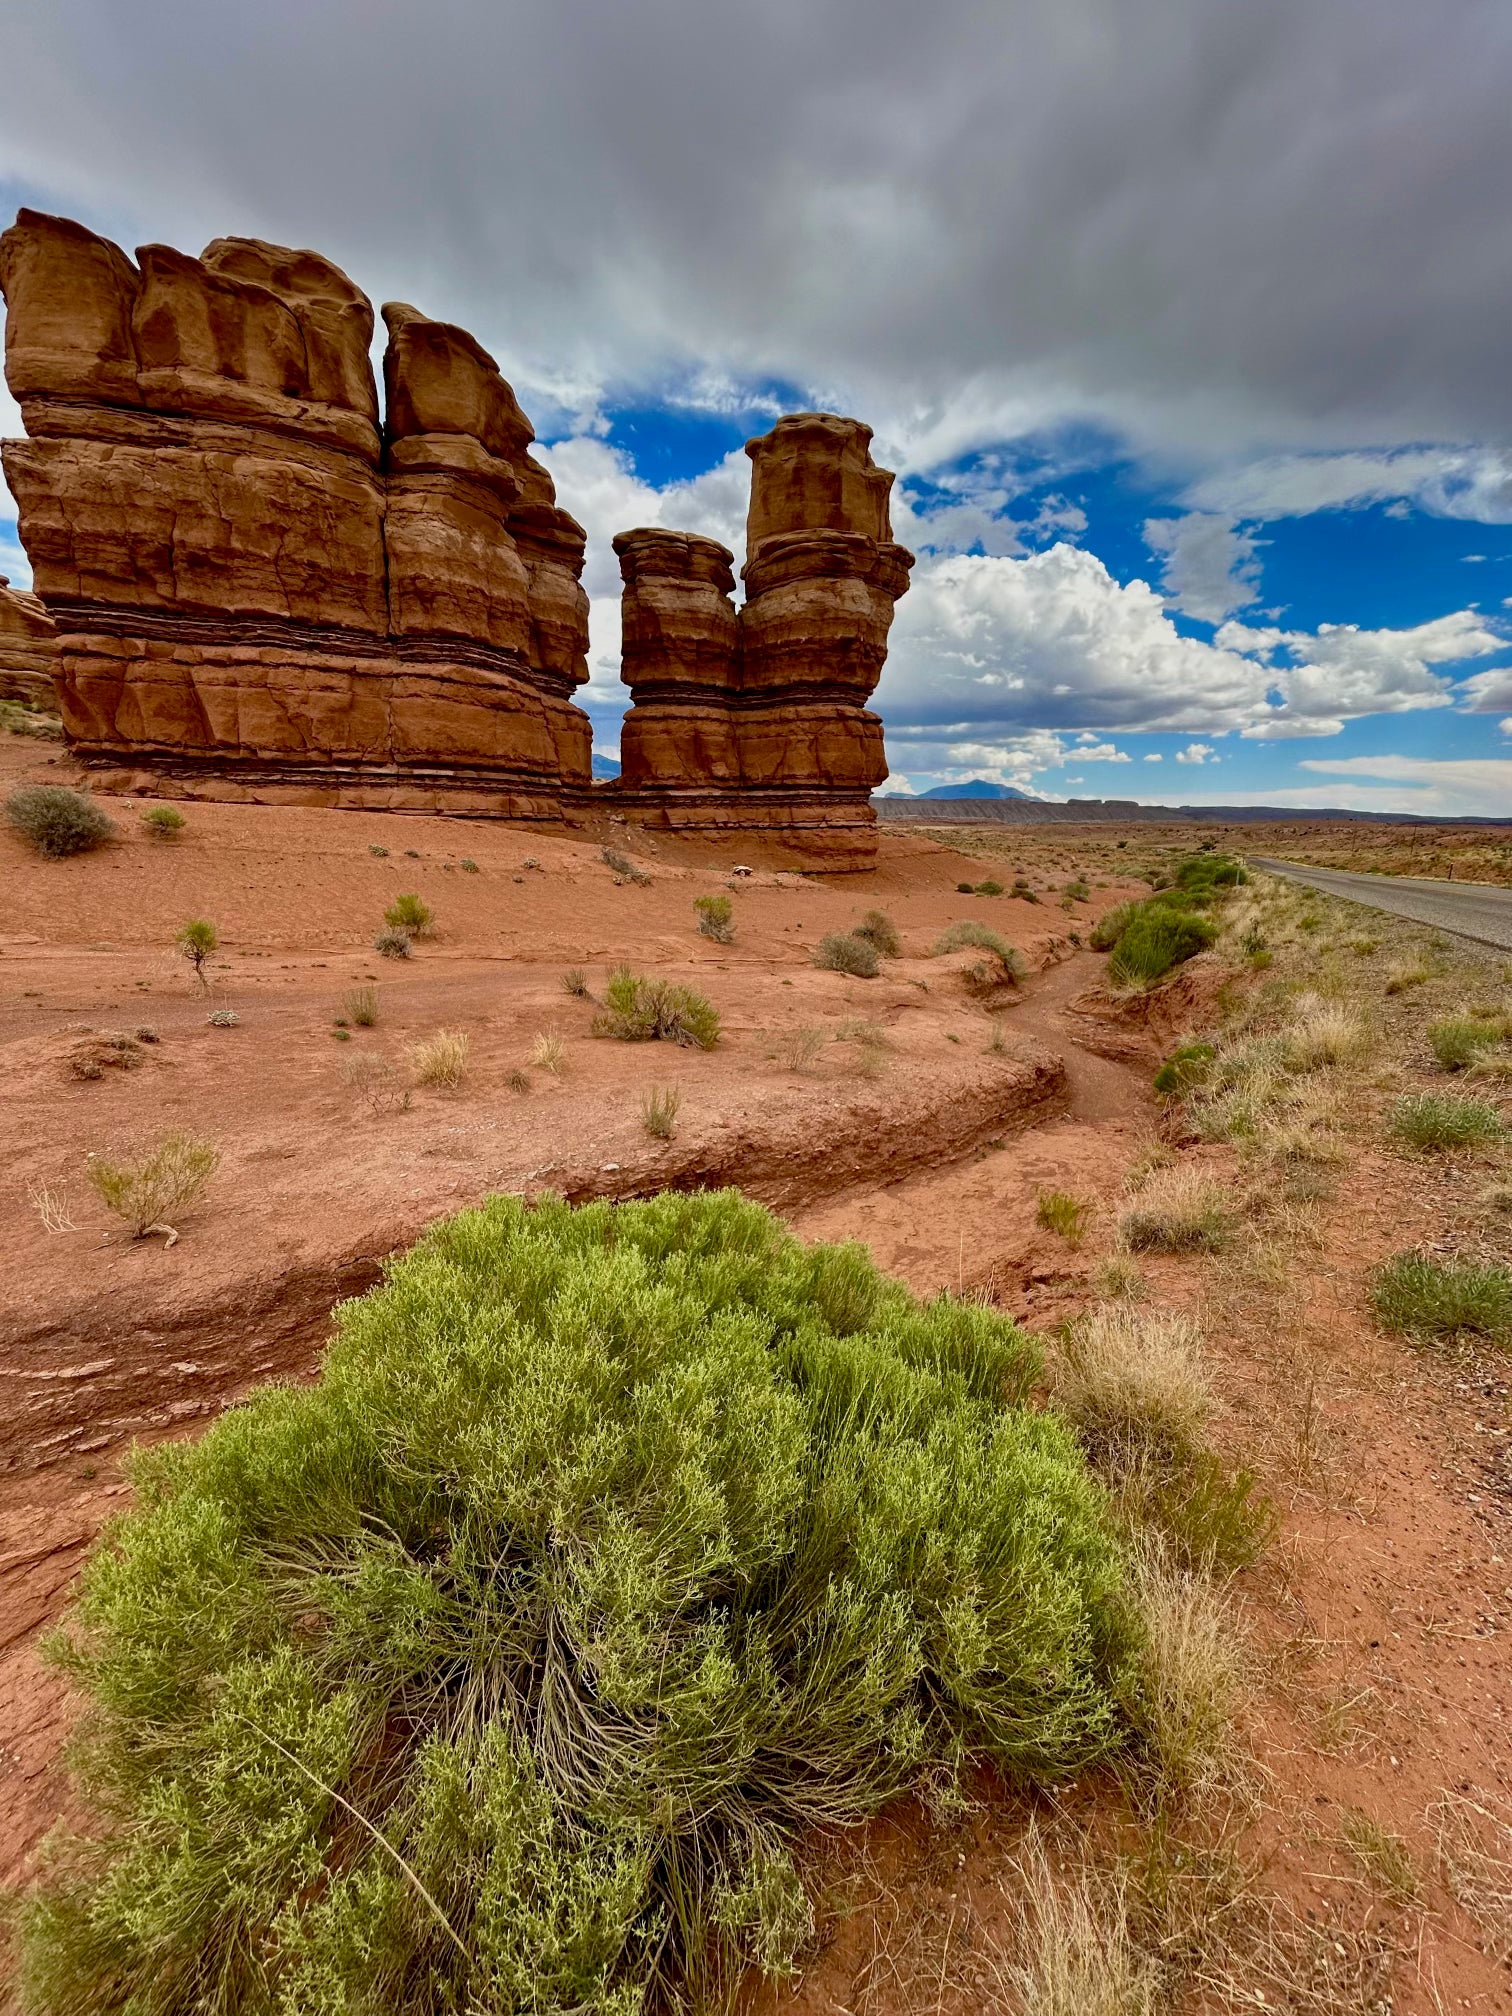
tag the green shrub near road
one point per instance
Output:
(613, 1552)
(1153, 941)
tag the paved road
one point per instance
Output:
(1476, 910)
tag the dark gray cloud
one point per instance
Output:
(1218, 223)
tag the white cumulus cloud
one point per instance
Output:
(1210, 566)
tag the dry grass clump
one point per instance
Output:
(880, 932)
(1460, 1040)
(1131, 1384)
(440, 1060)
(1384, 1857)
(1403, 974)
(392, 944)
(1192, 1673)
(575, 983)
(1058, 1211)
(1473, 1851)
(152, 1186)
(870, 1043)
(359, 1006)
(57, 822)
(1072, 1948)
(659, 1109)
(1324, 1033)
(378, 1082)
(798, 1049)
(1178, 1210)
(624, 869)
(548, 1053)
(51, 1204)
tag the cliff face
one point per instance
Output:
(757, 718)
(255, 589)
(28, 646)
(259, 587)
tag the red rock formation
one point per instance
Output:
(757, 720)
(255, 591)
(28, 647)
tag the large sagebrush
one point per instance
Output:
(614, 1550)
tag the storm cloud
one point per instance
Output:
(1212, 225)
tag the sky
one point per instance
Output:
(1184, 324)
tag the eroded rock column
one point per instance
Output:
(757, 720)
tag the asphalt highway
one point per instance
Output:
(1475, 910)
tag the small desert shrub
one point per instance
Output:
(1106, 931)
(1458, 1040)
(378, 1082)
(468, 865)
(640, 1010)
(518, 1081)
(360, 1006)
(381, 852)
(659, 1111)
(1058, 1211)
(988, 888)
(1004, 968)
(92, 1056)
(18, 717)
(409, 913)
(548, 1053)
(440, 1060)
(164, 822)
(1178, 1210)
(965, 888)
(56, 821)
(622, 865)
(393, 944)
(1428, 1120)
(197, 941)
(1183, 1069)
(1023, 892)
(880, 932)
(575, 983)
(152, 1187)
(847, 952)
(1426, 1299)
(223, 1018)
(1155, 939)
(1078, 892)
(716, 918)
(585, 1510)
(798, 1049)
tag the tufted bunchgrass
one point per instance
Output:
(614, 1551)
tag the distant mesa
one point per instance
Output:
(604, 767)
(263, 587)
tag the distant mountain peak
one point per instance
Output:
(977, 788)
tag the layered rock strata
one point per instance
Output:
(756, 719)
(28, 648)
(258, 590)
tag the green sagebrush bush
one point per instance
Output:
(1155, 939)
(642, 1010)
(848, 952)
(57, 822)
(501, 1669)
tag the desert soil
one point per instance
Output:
(1377, 1618)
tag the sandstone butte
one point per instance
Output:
(263, 588)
